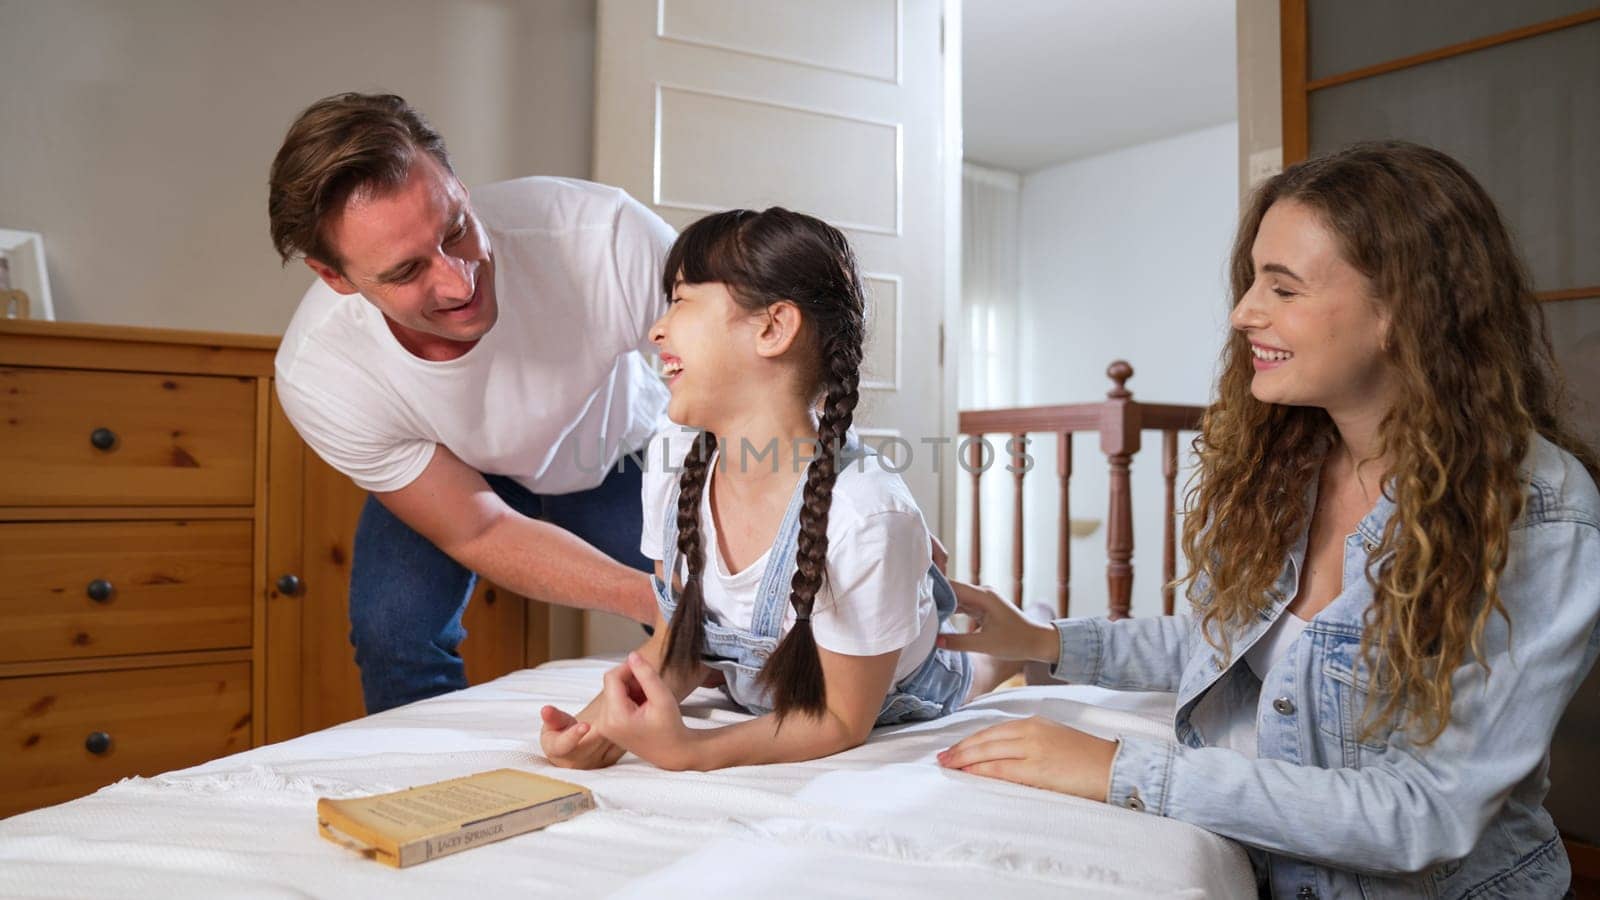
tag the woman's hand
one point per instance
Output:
(1038, 753)
(640, 713)
(1002, 630)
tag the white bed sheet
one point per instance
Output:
(882, 820)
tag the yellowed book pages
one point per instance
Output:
(421, 823)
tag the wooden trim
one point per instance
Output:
(536, 634)
(1019, 444)
(1585, 858)
(975, 469)
(330, 507)
(160, 359)
(1064, 417)
(1120, 421)
(111, 663)
(1296, 88)
(258, 568)
(1417, 59)
(1063, 525)
(132, 334)
(1075, 417)
(496, 622)
(1583, 293)
(1169, 523)
(282, 643)
(121, 349)
(116, 513)
(1170, 416)
(1295, 66)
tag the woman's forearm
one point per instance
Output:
(1144, 654)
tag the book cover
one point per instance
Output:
(415, 825)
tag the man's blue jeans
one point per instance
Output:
(407, 596)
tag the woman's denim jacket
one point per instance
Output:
(1328, 815)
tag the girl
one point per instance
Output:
(789, 562)
(1395, 561)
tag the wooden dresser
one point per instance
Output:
(173, 562)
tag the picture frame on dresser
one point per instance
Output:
(22, 256)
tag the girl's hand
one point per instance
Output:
(1002, 630)
(641, 714)
(572, 744)
(941, 556)
(1038, 753)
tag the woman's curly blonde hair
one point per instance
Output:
(1476, 379)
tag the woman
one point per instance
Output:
(1394, 552)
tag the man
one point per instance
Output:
(474, 363)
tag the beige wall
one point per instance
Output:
(1260, 92)
(136, 136)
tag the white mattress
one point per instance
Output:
(882, 820)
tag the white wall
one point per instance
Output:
(1123, 257)
(136, 136)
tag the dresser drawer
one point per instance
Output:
(81, 589)
(67, 735)
(122, 438)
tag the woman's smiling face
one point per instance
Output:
(1316, 332)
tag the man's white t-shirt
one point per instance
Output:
(554, 393)
(876, 596)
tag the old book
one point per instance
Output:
(421, 823)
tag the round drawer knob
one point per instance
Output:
(100, 590)
(97, 742)
(103, 438)
(290, 585)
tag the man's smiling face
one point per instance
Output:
(419, 255)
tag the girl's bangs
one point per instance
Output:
(708, 251)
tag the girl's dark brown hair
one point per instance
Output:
(763, 258)
(1477, 381)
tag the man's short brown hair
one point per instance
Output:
(341, 145)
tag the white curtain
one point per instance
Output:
(990, 308)
(990, 267)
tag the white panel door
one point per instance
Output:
(834, 108)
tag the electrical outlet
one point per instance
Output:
(1264, 164)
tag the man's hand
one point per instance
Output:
(1038, 753)
(1002, 631)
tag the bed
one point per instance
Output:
(880, 820)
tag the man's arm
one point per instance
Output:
(451, 505)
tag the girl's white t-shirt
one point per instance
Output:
(876, 595)
(551, 396)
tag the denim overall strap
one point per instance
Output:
(791, 519)
(773, 595)
(944, 595)
(669, 545)
(772, 598)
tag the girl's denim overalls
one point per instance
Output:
(934, 689)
